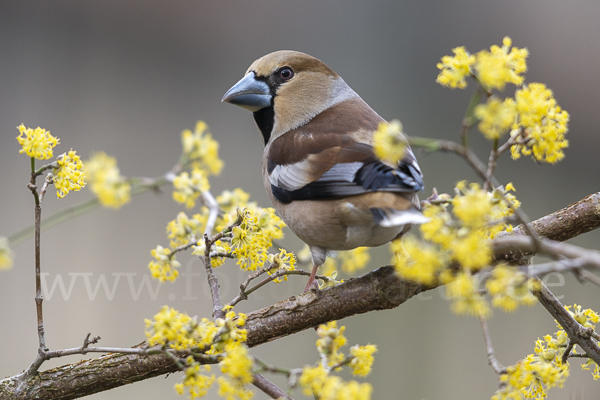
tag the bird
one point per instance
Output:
(319, 167)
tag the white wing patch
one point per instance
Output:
(296, 176)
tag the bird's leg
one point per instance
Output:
(312, 282)
(318, 256)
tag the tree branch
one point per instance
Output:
(377, 290)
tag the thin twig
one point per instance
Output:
(567, 351)
(213, 211)
(498, 368)
(269, 388)
(491, 163)
(265, 367)
(575, 265)
(279, 273)
(213, 282)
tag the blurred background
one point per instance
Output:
(127, 77)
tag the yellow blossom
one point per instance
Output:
(68, 175)
(329, 267)
(231, 390)
(534, 101)
(331, 340)
(472, 250)
(463, 291)
(237, 363)
(196, 383)
(363, 359)
(6, 254)
(230, 199)
(313, 379)
(455, 69)
(281, 261)
(595, 371)
(167, 326)
(106, 182)
(36, 143)
(229, 331)
(495, 117)
(586, 317)
(534, 375)
(501, 65)
(438, 229)
(543, 125)
(474, 207)
(510, 288)
(217, 252)
(254, 236)
(181, 229)
(388, 142)
(187, 187)
(200, 148)
(355, 391)
(416, 261)
(164, 266)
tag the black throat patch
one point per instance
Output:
(265, 118)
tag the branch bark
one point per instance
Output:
(377, 290)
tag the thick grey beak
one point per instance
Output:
(249, 93)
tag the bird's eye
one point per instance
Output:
(286, 73)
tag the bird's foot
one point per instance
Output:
(312, 286)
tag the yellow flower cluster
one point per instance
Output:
(462, 289)
(6, 254)
(538, 125)
(501, 65)
(164, 266)
(237, 367)
(495, 117)
(36, 143)
(493, 69)
(388, 142)
(538, 372)
(223, 337)
(182, 228)
(510, 288)
(586, 317)
(229, 200)
(196, 383)
(455, 69)
(254, 236)
(187, 188)
(282, 260)
(68, 175)
(543, 125)
(363, 359)
(318, 382)
(112, 189)
(456, 235)
(201, 149)
(331, 338)
(179, 331)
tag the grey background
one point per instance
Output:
(128, 77)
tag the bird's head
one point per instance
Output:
(285, 90)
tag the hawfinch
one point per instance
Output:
(319, 167)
